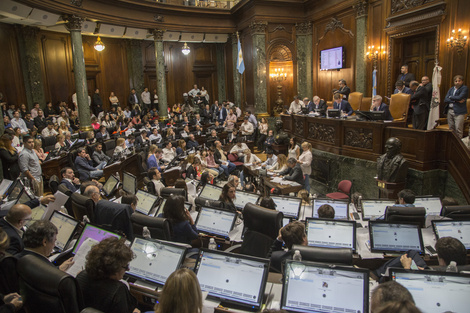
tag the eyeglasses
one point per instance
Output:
(127, 268)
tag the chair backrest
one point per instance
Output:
(262, 220)
(167, 192)
(355, 100)
(68, 205)
(150, 185)
(399, 104)
(82, 135)
(325, 255)
(49, 143)
(81, 206)
(8, 274)
(142, 163)
(345, 186)
(108, 147)
(115, 217)
(54, 183)
(406, 214)
(159, 227)
(366, 103)
(45, 288)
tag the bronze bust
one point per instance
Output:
(281, 138)
(392, 166)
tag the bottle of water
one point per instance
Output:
(146, 233)
(297, 256)
(212, 244)
(452, 267)
(63, 209)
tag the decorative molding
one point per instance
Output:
(361, 7)
(77, 3)
(280, 53)
(400, 5)
(421, 17)
(304, 28)
(73, 22)
(299, 127)
(280, 28)
(234, 38)
(157, 34)
(333, 25)
(158, 18)
(321, 132)
(358, 137)
(258, 27)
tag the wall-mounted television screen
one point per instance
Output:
(332, 59)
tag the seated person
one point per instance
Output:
(39, 240)
(69, 180)
(271, 159)
(212, 138)
(99, 156)
(182, 224)
(268, 203)
(156, 177)
(192, 143)
(217, 127)
(401, 88)
(185, 133)
(317, 106)
(103, 134)
(13, 223)
(169, 152)
(142, 140)
(239, 149)
(191, 170)
(251, 161)
(211, 164)
(246, 128)
(293, 172)
(49, 130)
(155, 137)
(227, 196)
(221, 158)
(378, 105)
(181, 147)
(85, 167)
(389, 292)
(198, 131)
(326, 211)
(281, 164)
(233, 136)
(206, 178)
(60, 145)
(291, 234)
(342, 105)
(406, 198)
(100, 282)
(268, 143)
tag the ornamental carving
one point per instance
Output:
(73, 22)
(77, 3)
(299, 127)
(304, 28)
(157, 34)
(400, 5)
(258, 27)
(321, 132)
(333, 25)
(358, 138)
(158, 18)
(361, 8)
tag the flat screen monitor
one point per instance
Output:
(24, 196)
(433, 205)
(289, 206)
(5, 186)
(314, 287)
(145, 202)
(331, 59)
(210, 192)
(15, 190)
(340, 206)
(215, 221)
(286, 220)
(110, 185)
(93, 232)
(66, 226)
(392, 237)
(334, 113)
(371, 115)
(233, 278)
(435, 292)
(457, 229)
(129, 183)
(373, 209)
(39, 213)
(331, 233)
(242, 198)
(155, 260)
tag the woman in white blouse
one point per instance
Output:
(280, 165)
(305, 161)
(294, 150)
(263, 131)
(169, 152)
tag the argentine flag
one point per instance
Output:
(374, 82)
(240, 63)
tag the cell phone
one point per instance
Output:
(356, 216)
(431, 249)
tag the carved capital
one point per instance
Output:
(361, 8)
(73, 22)
(157, 34)
(400, 5)
(234, 38)
(158, 18)
(77, 3)
(304, 28)
(258, 27)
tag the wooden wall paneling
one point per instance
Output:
(148, 61)
(11, 80)
(228, 72)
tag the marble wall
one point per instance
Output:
(134, 65)
(304, 66)
(259, 72)
(221, 71)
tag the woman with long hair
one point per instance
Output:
(294, 150)
(39, 150)
(263, 133)
(182, 224)
(9, 157)
(227, 196)
(280, 165)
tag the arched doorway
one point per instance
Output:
(281, 78)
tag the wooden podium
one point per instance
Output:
(389, 190)
(279, 149)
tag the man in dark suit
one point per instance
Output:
(207, 114)
(293, 172)
(456, 105)
(401, 88)
(344, 90)
(85, 168)
(378, 105)
(103, 134)
(291, 234)
(421, 108)
(318, 105)
(405, 77)
(342, 105)
(221, 113)
(69, 179)
(97, 102)
(133, 99)
(13, 223)
(192, 143)
(142, 140)
(40, 121)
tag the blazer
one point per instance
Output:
(84, 166)
(384, 107)
(72, 187)
(345, 91)
(278, 255)
(192, 144)
(294, 174)
(322, 107)
(405, 90)
(115, 214)
(460, 94)
(423, 96)
(16, 242)
(407, 78)
(224, 114)
(344, 106)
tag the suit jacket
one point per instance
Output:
(117, 215)
(384, 107)
(294, 174)
(322, 107)
(405, 90)
(460, 94)
(131, 100)
(16, 242)
(192, 144)
(407, 78)
(206, 115)
(344, 106)
(84, 166)
(72, 187)
(100, 136)
(40, 123)
(345, 91)
(423, 96)
(224, 114)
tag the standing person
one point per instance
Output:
(421, 108)
(133, 99)
(404, 76)
(30, 166)
(344, 90)
(97, 102)
(293, 149)
(305, 161)
(9, 158)
(155, 100)
(456, 105)
(146, 102)
(263, 133)
(113, 99)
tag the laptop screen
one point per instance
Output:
(232, 277)
(145, 202)
(436, 292)
(242, 198)
(372, 209)
(286, 220)
(341, 207)
(288, 206)
(66, 226)
(210, 192)
(93, 232)
(15, 190)
(390, 237)
(457, 229)
(155, 260)
(110, 185)
(433, 205)
(129, 183)
(311, 287)
(215, 221)
(331, 233)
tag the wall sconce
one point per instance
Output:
(99, 45)
(279, 75)
(185, 49)
(457, 41)
(374, 53)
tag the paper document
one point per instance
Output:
(4, 186)
(276, 180)
(60, 199)
(80, 257)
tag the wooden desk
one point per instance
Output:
(129, 165)
(285, 189)
(53, 167)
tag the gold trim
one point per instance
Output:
(260, 115)
(86, 128)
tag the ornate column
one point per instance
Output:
(258, 31)
(31, 65)
(220, 72)
(304, 36)
(135, 65)
(74, 26)
(160, 68)
(237, 99)
(361, 45)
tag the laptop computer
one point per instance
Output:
(146, 202)
(94, 232)
(210, 192)
(242, 198)
(289, 206)
(215, 222)
(388, 237)
(341, 207)
(433, 205)
(66, 226)
(331, 233)
(456, 229)
(375, 208)
(110, 186)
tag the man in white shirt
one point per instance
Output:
(155, 136)
(155, 175)
(295, 106)
(271, 159)
(239, 149)
(35, 110)
(146, 102)
(49, 130)
(169, 153)
(246, 128)
(193, 92)
(238, 111)
(17, 121)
